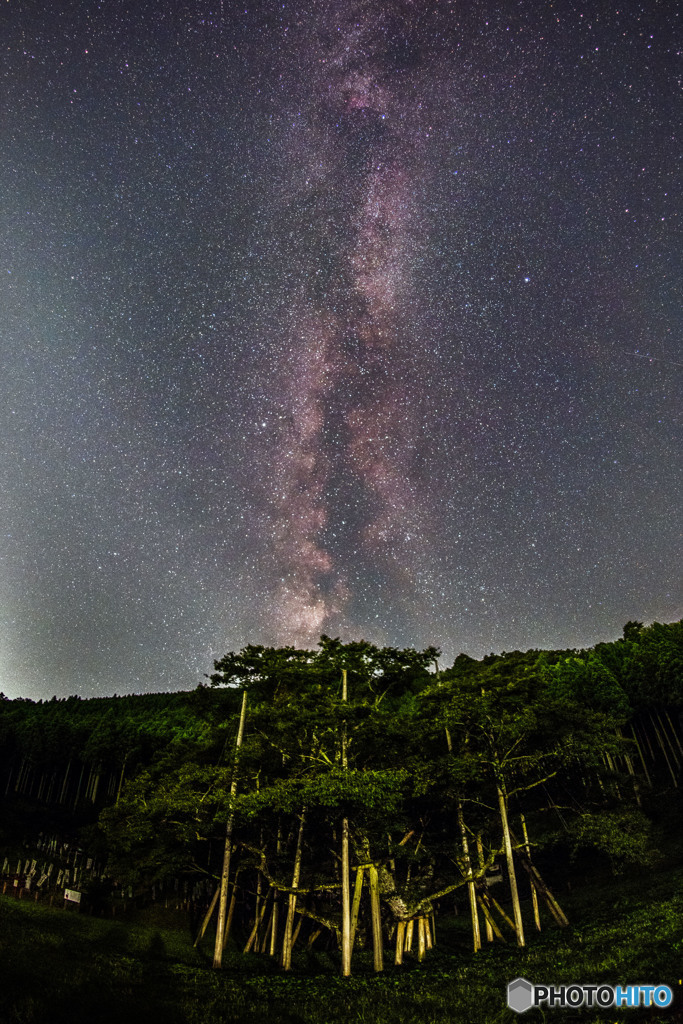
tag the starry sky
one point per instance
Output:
(347, 316)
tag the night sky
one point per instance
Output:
(357, 318)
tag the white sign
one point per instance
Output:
(72, 895)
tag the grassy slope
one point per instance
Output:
(62, 967)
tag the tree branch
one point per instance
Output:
(281, 886)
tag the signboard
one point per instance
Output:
(72, 896)
(495, 876)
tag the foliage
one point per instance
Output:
(623, 833)
(581, 743)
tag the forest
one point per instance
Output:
(353, 800)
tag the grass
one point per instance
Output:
(59, 967)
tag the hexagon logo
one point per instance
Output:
(520, 995)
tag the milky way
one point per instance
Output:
(349, 383)
(356, 318)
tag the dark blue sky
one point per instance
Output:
(356, 318)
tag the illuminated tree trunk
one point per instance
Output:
(480, 855)
(259, 914)
(88, 784)
(9, 779)
(376, 919)
(17, 781)
(78, 788)
(516, 908)
(428, 934)
(421, 938)
(491, 901)
(476, 934)
(666, 735)
(355, 909)
(231, 908)
(62, 795)
(346, 901)
(674, 733)
(400, 941)
(225, 873)
(274, 924)
(287, 941)
(640, 754)
(662, 747)
(207, 916)
(485, 902)
(552, 904)
(121, 776)
(265, 941)
(345, 875)
(631, 771)
(534, 893)
(648, 741)
(276, 901)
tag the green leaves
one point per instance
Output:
(623, 833)
(354, 790)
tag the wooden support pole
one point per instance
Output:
(274, 924)
(355, 909)
(222, 927)
(266, 935)
(376, 919)
(488, 916)
(476, 934)
(207, 916)
(534, 892)
(295, 936)
(480, 855)
(492, 902)
(258, 919)
(347, 939)
(421, 938)
(400, 941)
(516, 906)
(231, 908)
(287, 941)
(346, 929)
(552, 904)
